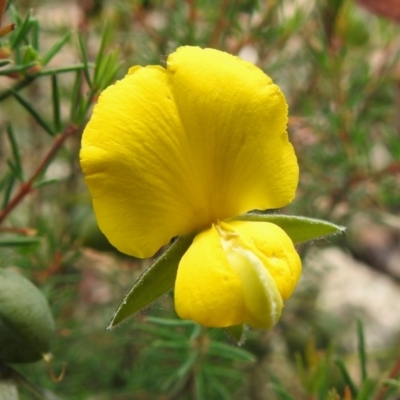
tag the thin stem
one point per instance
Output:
(28, 186)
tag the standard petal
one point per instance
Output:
(235, 118)
(274, 247)
(207, 289)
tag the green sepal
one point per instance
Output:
(237, 333)
(157, 280)
(299, 229)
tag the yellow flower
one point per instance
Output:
(177, 150)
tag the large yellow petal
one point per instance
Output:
(171, 151)
(207, 289)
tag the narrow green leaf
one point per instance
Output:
(15, 14)
(281, 392)
(197, 331)
(75, 97)
(236, 332)
(299, 229)
(85, 59)
(361, 350)
(178, 378)
(5, 62)
(15, 151)
(19, 34)
(367, 387)
(279, 389)
(55, 49)
(56, 103)
(200, 385)
(212, 381)
(4, 180)
(82, 109)
(30, 55)
(16, 241)
(18, 55)
(9, 185)
(301, 369)
(61, 70)
(223, 371)
(187, 365)
(34, 113)
(170, 322)
(157, 280)
(167, 344)
(99, 59)
(165, 333)
(15, 170)
(346, 376)
(18, 68)
(102, 70)
(108, 70)
(230, 352)
(47, 182)
(35, 34)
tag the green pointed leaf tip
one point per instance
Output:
(299, 229)
(26, 323)
(237, 333)
(157, 280)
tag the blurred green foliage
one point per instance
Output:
(339, 69)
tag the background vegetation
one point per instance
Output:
(338, 65)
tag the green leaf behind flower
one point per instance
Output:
(299, 229)
(157, 280)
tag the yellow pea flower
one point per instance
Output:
(170, 151)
